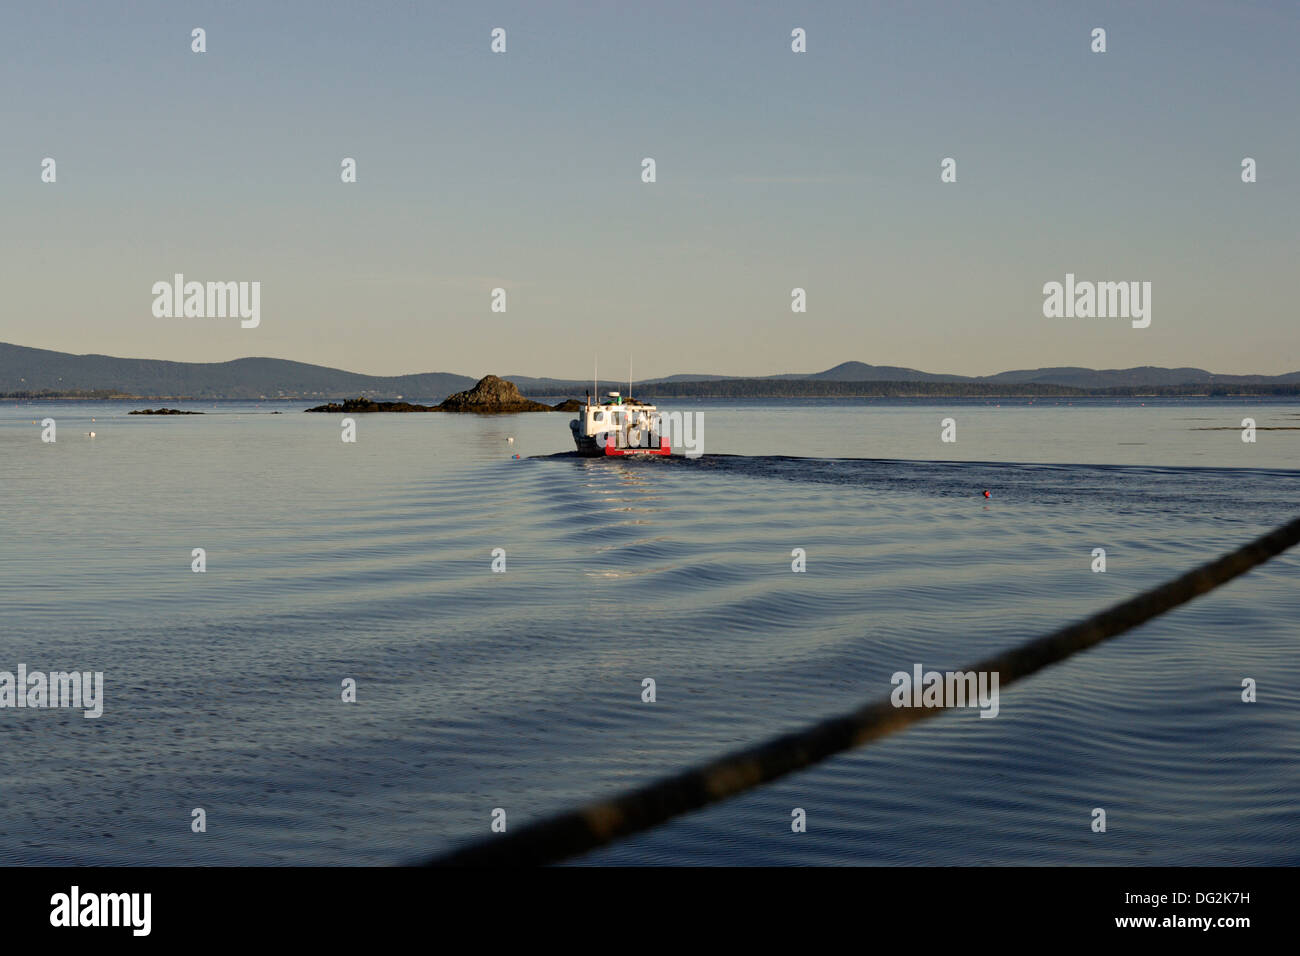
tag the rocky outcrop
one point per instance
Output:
(492, 396)
(359, 405)
(162, 411)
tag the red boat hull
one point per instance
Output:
(663, 449)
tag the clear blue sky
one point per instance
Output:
(775, 170)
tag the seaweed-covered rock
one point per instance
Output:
(361, 405)
(162, 411)
(491, 396)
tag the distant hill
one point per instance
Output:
(1137, 377)
(860, 372)
(35, 371)
(40, 370)
(1073, 376)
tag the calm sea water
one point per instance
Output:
(522, 690)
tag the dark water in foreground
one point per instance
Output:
(522, 690)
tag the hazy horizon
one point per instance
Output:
(775, 170)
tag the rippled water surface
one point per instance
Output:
(522, 689)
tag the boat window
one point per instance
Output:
(598, 417)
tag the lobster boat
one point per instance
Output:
(618, 426)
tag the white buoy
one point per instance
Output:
(511, 439)
(90, 434)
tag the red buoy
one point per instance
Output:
(986, 494)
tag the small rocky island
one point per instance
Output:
(490, 396)
(162, 411)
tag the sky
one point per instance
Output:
(774, 170)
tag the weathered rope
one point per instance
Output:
(577, 831)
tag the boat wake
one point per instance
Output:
(1221, 492)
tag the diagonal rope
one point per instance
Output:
(599, 823)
